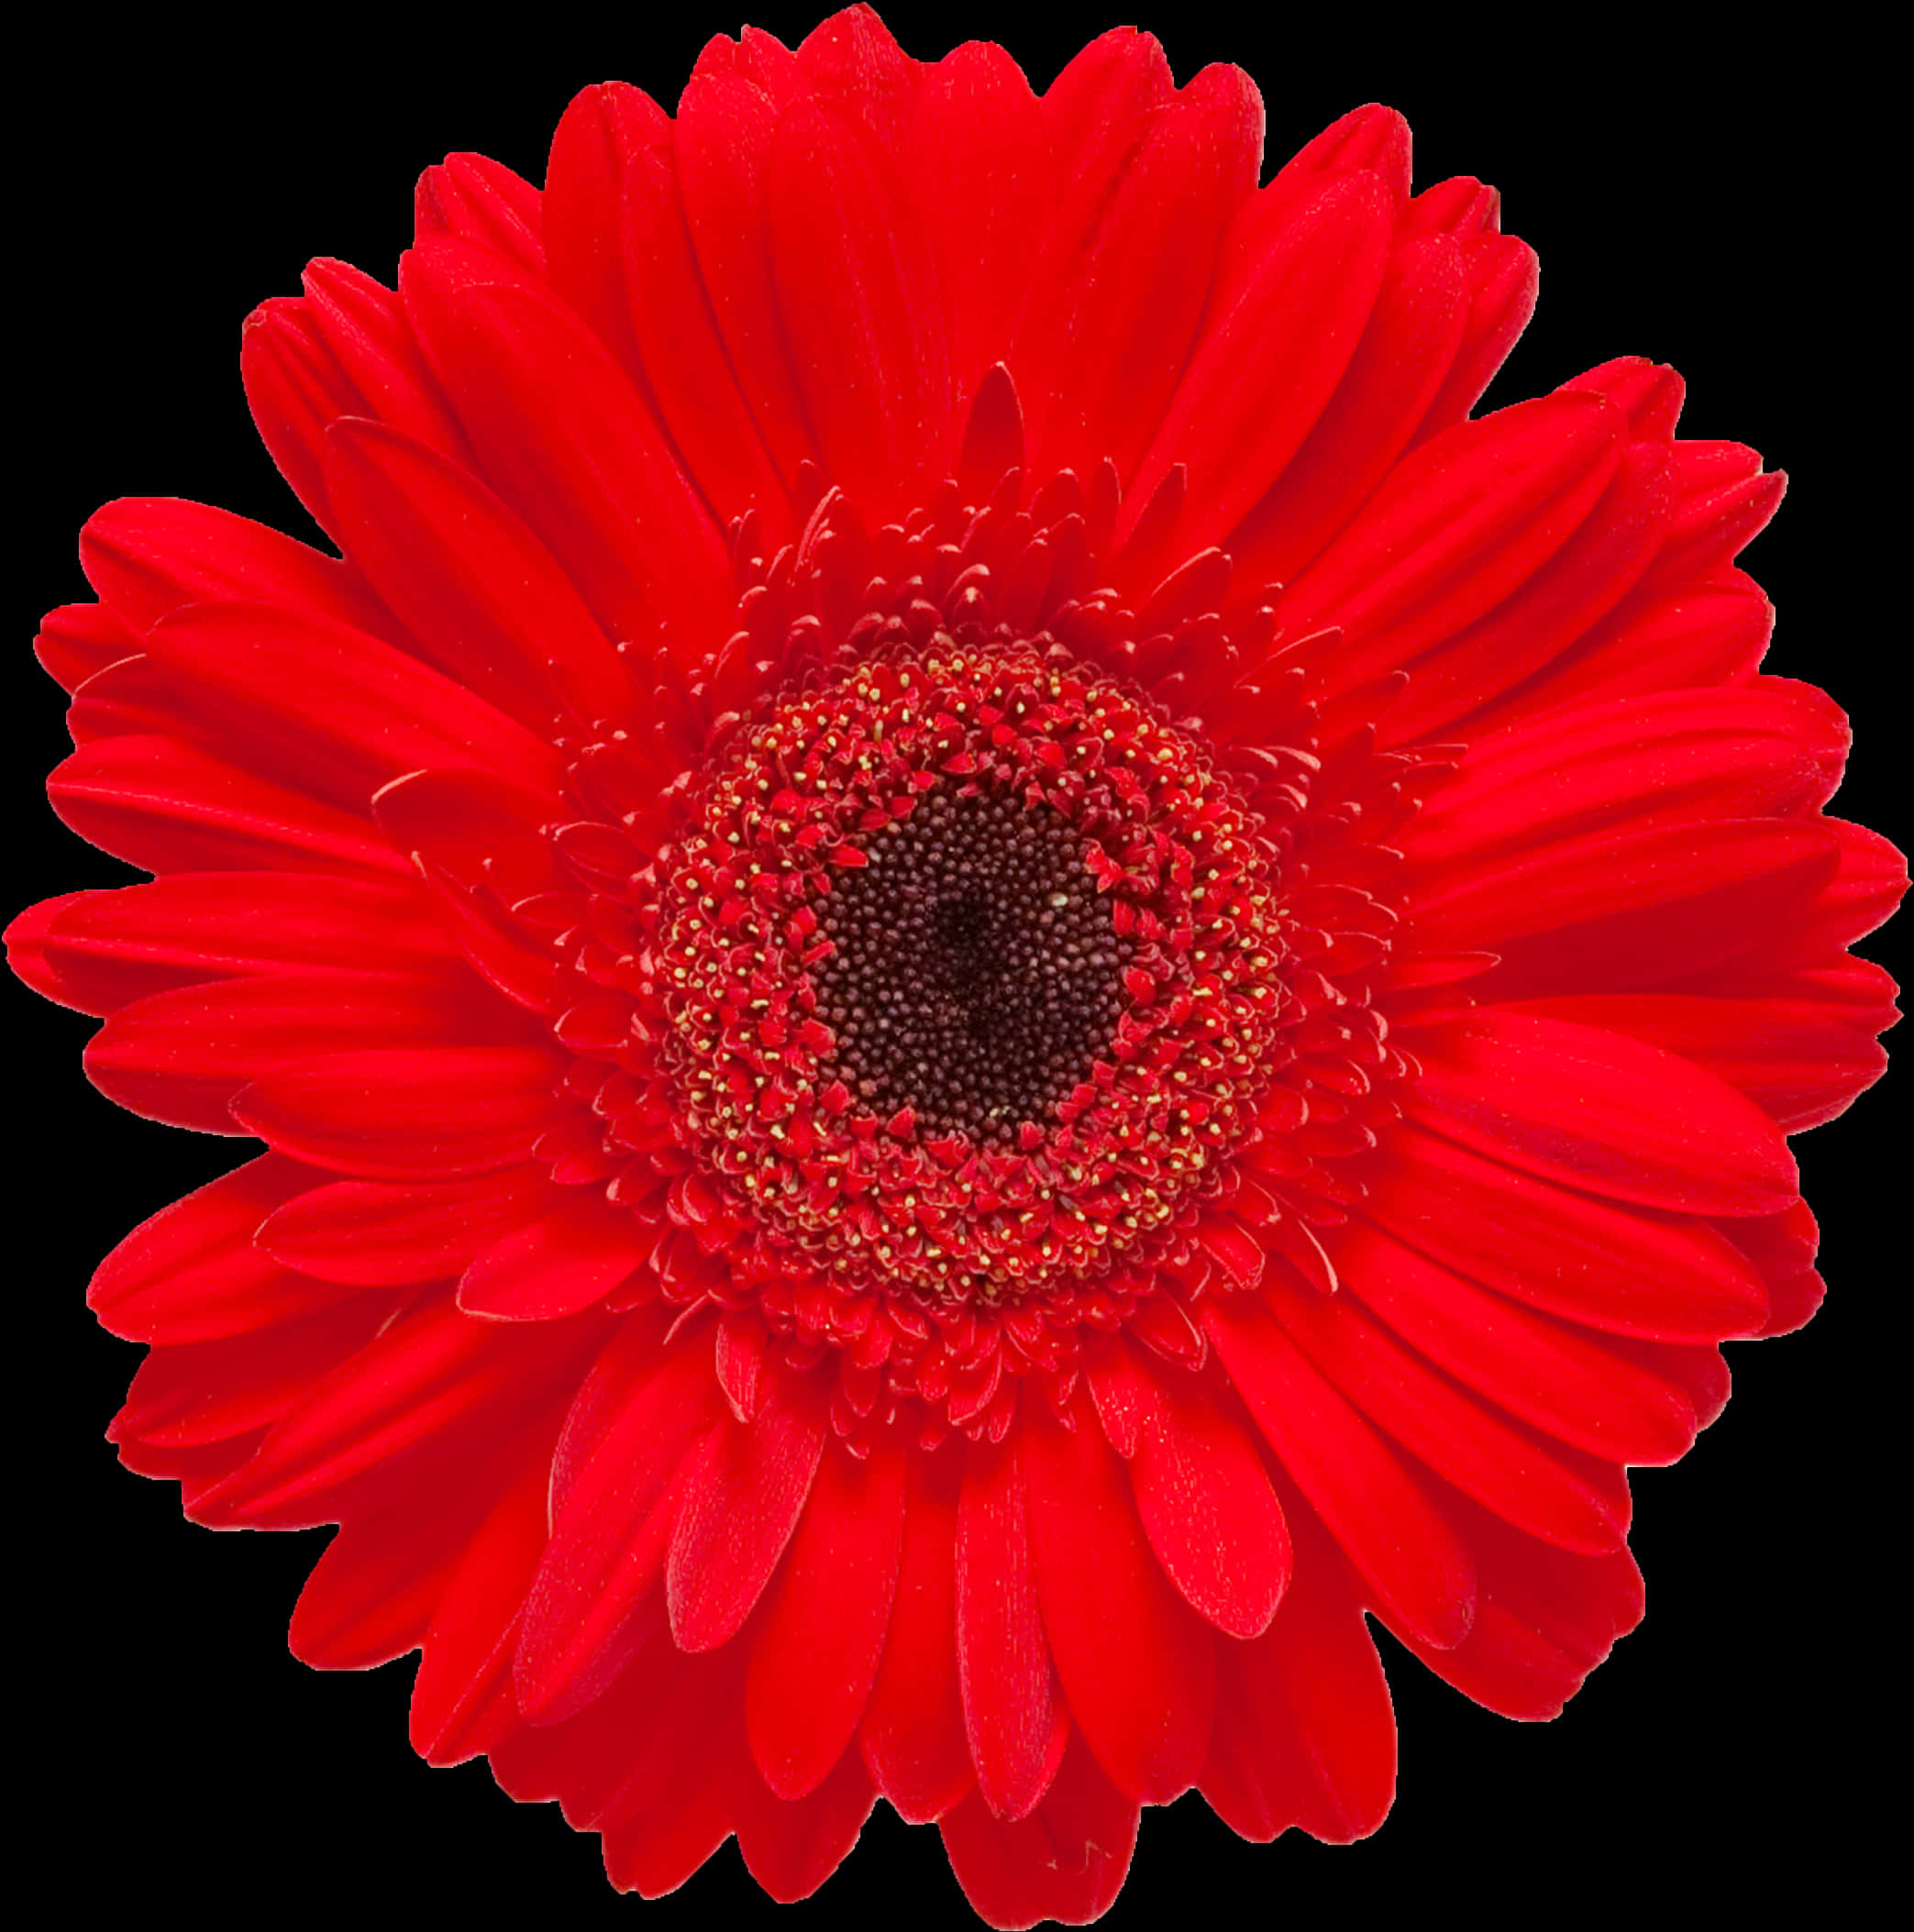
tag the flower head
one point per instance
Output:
(987, 977)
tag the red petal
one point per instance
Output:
(682, 353)
(655, 1728)
(364, 328)
(1782, 1248)
(1702, 634)
(1546, 1619)
(720, 143)
(1137, 1667)
(78, 640)
(615, 227)
(435, 1383)
(755, 56)
(1389, 1529)
(294, 387)
(1718, 516)
(1304, 1732)
(1664, 1276)
(1003, 1661)
(499, 949)
(913, 1735)
(474, 827)
(1559, 1379)
(1502, 275)
(791, 1848)
(984, 191)
(1600, 1111)
(331, 708)
(1580, 584)
(1801, 1061)
(1066, 1862)
(1453, 530)
(372, 1235)
(206, 1391)
(1208, 1509)
(405, 1114)
(816, 1655)
(1701, 1374)
(168, 807)
(1870, 881)
(1771, 748)
(371, 1596)
(584, 189)
(558, 1264)
(191, 1272)
(127, 700)
(632, 1357)
(150, 555)
(608, 1541)
(743, 1496)
(852, 59)
(196, 1469)
(1120, 75)
(1372, 139)
(461, 1698)
(1620, 911)
(182, 1056)
(860, 311)
(1100, 347)
(1406, 346)
(478, 200)
(1240, 1254)
(114, 947)
(656, 1851)
(742, 1351)
(485, 601)
(564, 439)
(1650, 393)
(1124, 1395)
(1550, 1495)
(1269, 358)
(26, 941)
(346, 350)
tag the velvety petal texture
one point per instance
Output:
(989, 978)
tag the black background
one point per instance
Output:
(1705, 205)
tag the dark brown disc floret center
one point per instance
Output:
(975, 974)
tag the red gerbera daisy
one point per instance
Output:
(985, 977)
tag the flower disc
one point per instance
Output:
(938, 1009)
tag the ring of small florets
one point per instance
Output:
(971, 965)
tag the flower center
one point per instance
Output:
(971, 971)
(975, 969)
(939, 995)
